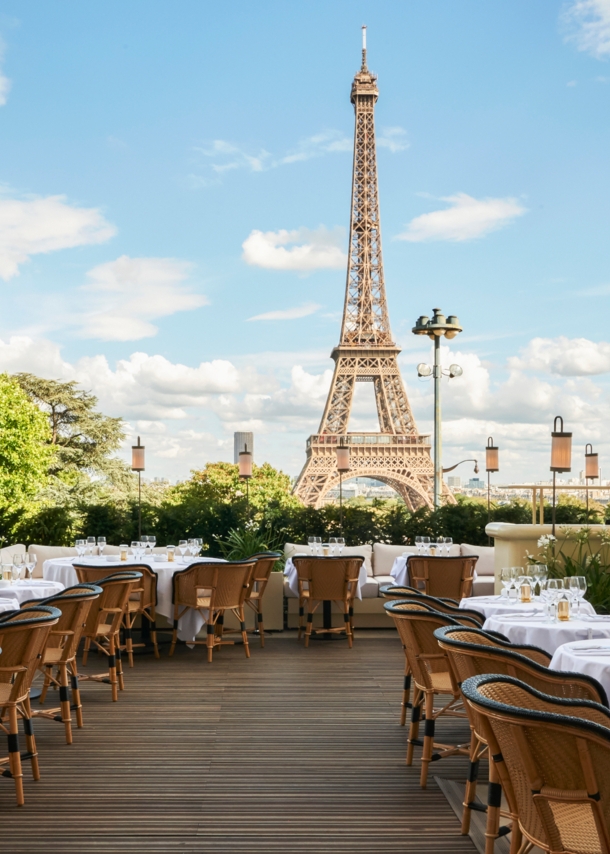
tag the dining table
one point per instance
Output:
(23, 590)
(535, 629)
(62, 570)
(590, 656)
(490, 606)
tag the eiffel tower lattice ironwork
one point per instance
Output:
(397, 455)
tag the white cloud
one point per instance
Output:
(565, 357)
(465, 219)
(327, 142)
(231, 157)
(394, 139)
(130, 292)
(34, 226)
(589, 26)
(5, 83)
(301, 249)
(288, 313)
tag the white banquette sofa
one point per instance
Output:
(378, 560)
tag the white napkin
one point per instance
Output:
(587, 652)
(527, 616)
(593, 618)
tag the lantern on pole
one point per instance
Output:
(138, 464)
(343, 463)
(492, 463)
(245, 471)
(561, 455)
(591, 469)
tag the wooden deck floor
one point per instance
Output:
(292, 751)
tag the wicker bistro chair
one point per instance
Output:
(397, 591)
(442, 576)
(104, 625)
(212, 589)
(142, 601)
(462, 616)
(473, 652)
(332, 579)
(432, 677)
(23, 636)
(263, 567)
(552, 755)
(60, 653)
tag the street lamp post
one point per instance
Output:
(591, 469)
(245, 472)
(492, 463)
(342, 467)
(138, 464)
(436, 329)
(561, 455)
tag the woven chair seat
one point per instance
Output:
(441, 682)
(103, 629)
(203, 601)
(52, 655)
(5, 692)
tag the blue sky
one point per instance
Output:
(143, 144)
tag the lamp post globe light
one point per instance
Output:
(138, 464)
(436, 328)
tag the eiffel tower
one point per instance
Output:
(397, 455)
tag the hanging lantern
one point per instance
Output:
(245, 463)
(561, 448)
(342, 452)
(591, 463)
(492, 456)
(137, 457)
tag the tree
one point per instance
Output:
(25, 449)
(84, 438)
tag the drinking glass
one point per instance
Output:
(90, 545)
(182, 548)
(332, 545)
(553, 589)
(7, 572)
(318, 545)
(30, 565)
(448, 544)
(525, 581)
(340, 544)
(311, 542)
(191, 545)
(506, 577)
(517, 581)
(418, 544)
(198, 545)
(101, 542)
(135, 548)
(425, 541)
(79, 545)
(144, 543)
(18, 562)
(578, 588)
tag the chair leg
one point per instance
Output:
(309, 627)
(119, 666)
(494, 801)
(414, 728)
(64, 701)
(86, 650)
(129, 639)
(112, 670)
(406, 694)
(348, 627)
(30, 741)
(153, 631)
(14, 755)
(175, 631)
(301, 615)
(470, 792)
(210, 641)
(428, 739)
(261, 628)
(244, 633)
(47, 681)
(76, 701)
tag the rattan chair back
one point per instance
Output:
(334, 578)
(442, 576)
(106, 612)
(23, 637)
(223, 585)
(553, 759)
(475, 652)
(457, 616)
(74, 604)
(263, 567)
(396, 591)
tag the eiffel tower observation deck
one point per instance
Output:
(398, 454)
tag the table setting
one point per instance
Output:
(591, 657)
(164, 564)
(18, 586)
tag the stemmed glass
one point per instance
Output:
(18, 562)
(340, 545)
(332, 545)
(425, 541)
(553, 590)
(90, 545)
(182, 548)
(311, 542)
(506, 577)
(135, 549)
(30, 564)
(80, 547)
(318, 545)
(101, 542)
(198, 546)
(418, 544)
(448, 544)
(578, 588)
(151, 542)
(144, 543)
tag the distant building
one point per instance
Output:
(476, 483)
(242, 442)
(454, 482)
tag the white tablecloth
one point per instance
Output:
(38, 588)
(290, 572)
(188, 626)
(7, 604)
(549, 636)
(590, 657)
(492, 605)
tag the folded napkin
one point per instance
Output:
(527, 615)
(591, 652)
(594, 618)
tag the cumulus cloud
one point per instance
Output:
(465, 219)
(394, 139)
(34, 226)
(127, 294)
(288, 313)
(301, 249)
(588, 24)
(564, 357)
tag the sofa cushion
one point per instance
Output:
(6, 554)
(383, 580)
(370, 589)
(484, 586)
(365, 551)
(485, 563)
(47, 552)
(384, 557)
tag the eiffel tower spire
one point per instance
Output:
(398, 454)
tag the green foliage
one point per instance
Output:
(25, 455)
(242, 543)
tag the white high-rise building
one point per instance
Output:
(242, 442)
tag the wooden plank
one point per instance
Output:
(292, 750)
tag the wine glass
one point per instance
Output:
(30, 565)
(425, 541)
(101, 542)
(18, 562)
(332, 545)
(553, 588)
(418, 544)
(182, 547)
(144, 543)
(135, 548)
(578, 588)
(311, 542)
(506, 577)
(318, 545)
(152, 540)
(198, 546)
(79, 545)
(340, 545)
(448, 544)
(90, 545)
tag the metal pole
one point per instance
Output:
(554, 476)
(438, 466)
(341, 501)
(587, 490)
(139, 505)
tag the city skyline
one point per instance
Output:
(175, 239)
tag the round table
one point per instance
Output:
(537, 631)
(62, 569)
(7, 604)
(591, 657)
(489, 606)
(37, 588)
